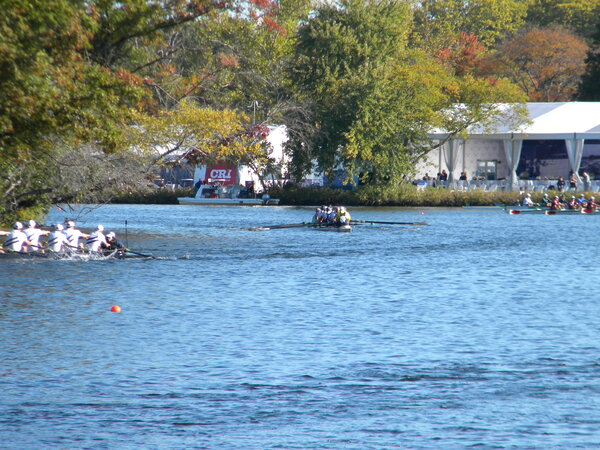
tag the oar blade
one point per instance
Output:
(279, 227)
(381, 222)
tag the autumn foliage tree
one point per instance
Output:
(71, 74)
(546, 63)
(464, 54)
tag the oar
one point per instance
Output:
(126, 250)
(278, 227)
(387, 223)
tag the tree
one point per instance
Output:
(207, 134)
(580, 16)
(546, 63)
(464, 55)
(51, 99)
(437, 22)
(589, 89)
(68, 85)
(370, 102)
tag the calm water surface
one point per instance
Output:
(480, 329)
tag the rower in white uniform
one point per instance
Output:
(527, 200)
(73, 235)
(33, 235)
(16, 240)
(57, 240)
(96, 240)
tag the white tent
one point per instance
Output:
(573, 122)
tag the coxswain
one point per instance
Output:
(33, 235)
(16, 240)
(555, 205)
(112, 243)
(527, 201)
(57, 240)
(96, 240)
(343, 217)
(73, 235)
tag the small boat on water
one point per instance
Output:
(72, 256)
(225, 195)
(346, 228)
(550, 212)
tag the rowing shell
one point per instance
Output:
(550, 212)
(331, 227)
(75, 256)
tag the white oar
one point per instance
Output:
(278, 227)
(387, 223)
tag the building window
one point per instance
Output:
(487, 169)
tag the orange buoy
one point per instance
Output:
(115, 309)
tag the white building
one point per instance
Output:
(560, 138)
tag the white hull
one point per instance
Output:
(227, 201)
(339, 229)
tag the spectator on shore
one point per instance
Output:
(586, 180)
(572, 181)
(197, 186)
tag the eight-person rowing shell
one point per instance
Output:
(333, 216)
(60, 240)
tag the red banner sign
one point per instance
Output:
(221, 173)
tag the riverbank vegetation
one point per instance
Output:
(96, 95)
(401, 195)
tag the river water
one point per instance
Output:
(479, 329)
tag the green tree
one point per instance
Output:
(589, 89)
(370, 102)
(438, 22)
(70, 77)
(580, 16)
(51, 99)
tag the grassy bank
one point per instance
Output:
(401, 195)
(153, 196)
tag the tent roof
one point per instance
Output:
(568, 120)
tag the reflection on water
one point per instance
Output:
(478, 329)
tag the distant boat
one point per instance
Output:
(550, 212)
(209, 194)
